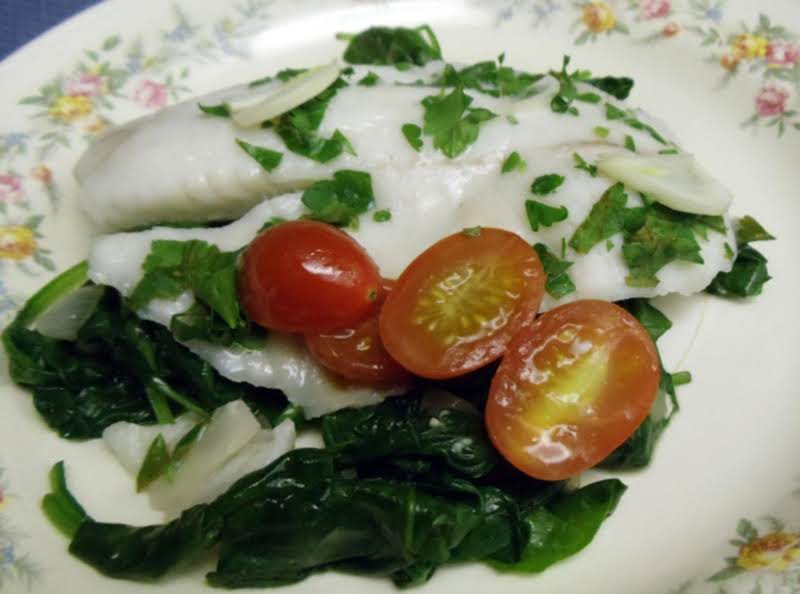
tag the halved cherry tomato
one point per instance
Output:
(457, 305)
(306, 276)
(358, 354)
(571, 388)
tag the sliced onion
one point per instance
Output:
(64, 318)
(676, 181)
(252, 110)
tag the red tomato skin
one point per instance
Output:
(418, 352)
(357, 354)
(574, 444)
(306, 276)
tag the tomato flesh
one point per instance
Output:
(458, 304)
(306, 276)
(357, 353)
(572, 388)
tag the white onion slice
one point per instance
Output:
(676, 181)
(251, 111)
(64, 318)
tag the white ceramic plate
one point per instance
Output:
(722, 498)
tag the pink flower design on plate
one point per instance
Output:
(150, 94)
(10, 188)
(88, 85)
(782, 53)
(655, 9)
(772, 100)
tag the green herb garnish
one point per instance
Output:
(544, 215)
(267, 158)
(452, 123)
(382, 216)
(413, 134)
(339, 201)
(547, 184)
(580, 163)
(558, 281)
(513, 163)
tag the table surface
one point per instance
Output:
(23, 20)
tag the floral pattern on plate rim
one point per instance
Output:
(765, 50)
(15, 566)
(72, 108)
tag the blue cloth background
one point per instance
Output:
(22, 20)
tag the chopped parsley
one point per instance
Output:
(452, 123)
(288, 74)
(221, 110)
(547, 184)
(492, 78)
(558, 281)
(471, 231)
(669, 151)
(512, 119)
(543, 214)
(339, 201)
(616, 86)
(298, 128)
(382, 216)
(748, 229)
(601, 131)
(630, 143)
(580, 163)
(259, 81)
(399, 46)
(173, 267)
(370, 80)
(607, 217)
(562, 101)
(659, 241)
(267, 158)
(628, 118)
(514, 163)
(413, 134)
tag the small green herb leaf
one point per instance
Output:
(341, 200)
(514, 163)
(617, 86)
(601, 131)
(547, 184)
(558, 281)
(658, 242)
(544, 215)
(607, 217)
(630, 144)
(413, 134)
(580, 163)
(370, 80)
(175, 266)
(220, 111)
(267, 158)
(471, 231)
(452, 123)
(749, 230)
(381, 216)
